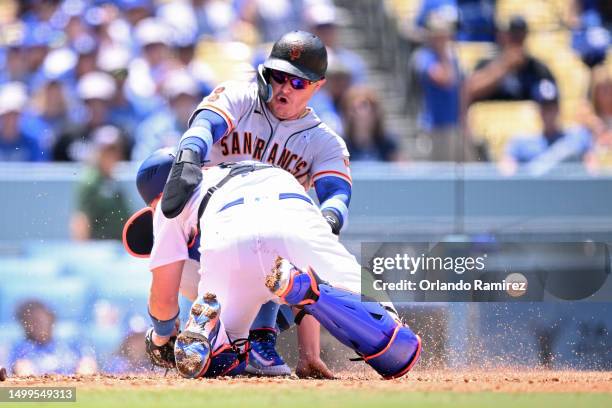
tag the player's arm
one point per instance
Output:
(163, 298)
(334, 194)
(166, 262)
(331, 176)
(206, 128)
(309, 363)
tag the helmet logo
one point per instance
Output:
(295, 52)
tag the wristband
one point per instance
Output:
(163, 328)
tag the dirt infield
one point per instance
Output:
(519, 381)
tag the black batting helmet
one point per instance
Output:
(299, 53)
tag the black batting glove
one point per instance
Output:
(185, 176)
(333, 220)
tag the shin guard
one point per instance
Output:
(377, 336)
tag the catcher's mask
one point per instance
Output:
(138, 233)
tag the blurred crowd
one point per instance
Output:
(72, 69)
(41, 351)
(511, 73)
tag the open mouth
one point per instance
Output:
(283, 100)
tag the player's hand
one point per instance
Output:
(313, 368)
(185, 176)
(333, 221)
(161, 356)
(513, 57)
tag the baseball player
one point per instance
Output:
(256, 224)
(268, 121)
(137, 237)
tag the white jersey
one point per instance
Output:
(305, 147)
(172, 237)
(247, 223)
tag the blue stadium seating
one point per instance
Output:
(67, 296)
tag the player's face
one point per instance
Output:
(289, 103)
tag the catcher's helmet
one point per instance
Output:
(298, 53)
(153, 174)
(150, 180)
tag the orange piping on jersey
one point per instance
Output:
(334, 173)
(221, 112)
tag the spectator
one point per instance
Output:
(16, 144)
(14, 67)
(101, 205)
(86, 48)
(96, 90)
(272, 18)
(439, 77)
(322, 20)
(591, 22)
(164, 128)
(327, 101)
(37, 41)
(215, 18)
(40, 353)
(475, 18)
(136, 10)
(51, 112)
(114, 61)
(513, 74)
(364, 128)
(597, 115)
(590, 13)
(147, 72)
(554, 145)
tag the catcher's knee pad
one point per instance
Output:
(376, 335)
(192, 348)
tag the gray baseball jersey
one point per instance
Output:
(305, 147)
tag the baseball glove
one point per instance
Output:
(161, 356)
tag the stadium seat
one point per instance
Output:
(497, 122)
(70, 251)
(19, 268)
(66, 296)
(403, 10)
(125, 283)
(470, 53)
(541, 15)
(572, 76)
(227, 60)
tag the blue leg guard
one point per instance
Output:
(384, 343)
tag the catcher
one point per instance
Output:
(256, 224)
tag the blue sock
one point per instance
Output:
(266, 316)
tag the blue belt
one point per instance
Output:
(281, 196)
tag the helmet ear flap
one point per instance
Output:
(263, 85)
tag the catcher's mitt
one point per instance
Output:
(161, 356)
